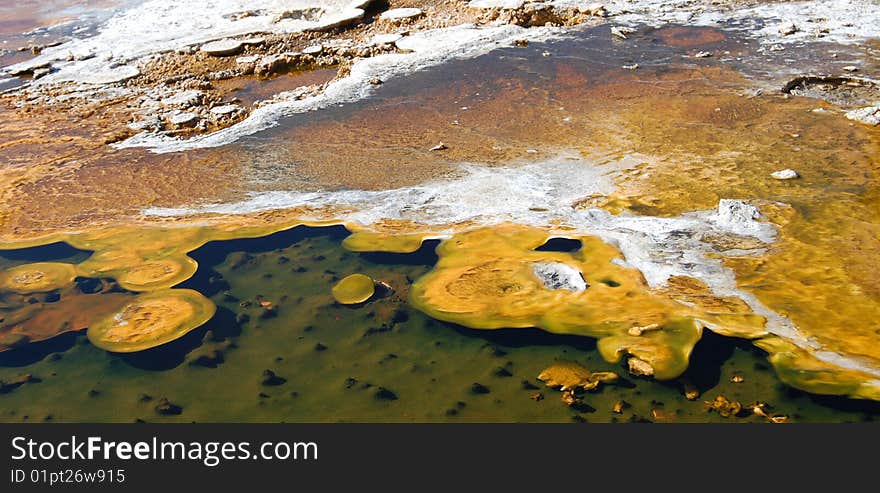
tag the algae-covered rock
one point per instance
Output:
(354, 289)
(151, 319)
(570, 375)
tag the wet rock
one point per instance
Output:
(556, 275)
(703, 54)
(619, 406)
(785, 174)
(737, 378)
(247, 60)
(537, 396)
(868, 116)
(40, 72)
(478, 388)
(184, 119)
(183, 99)
(439, 147)
(385, 39)
(639, 367)
(253, 41)
(570, 399)
(691, 392)
(313, 50)
(384, 394)
(638, 331)
(167, 408)
(225, 110)
(400, 15)
(724, 407)
(787, 28)
(223, 47)
(376, 81)
(270, 379)
(622, 32)
(595, 9)
(630, 67)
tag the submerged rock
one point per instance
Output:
(570, 375)
(167, 408)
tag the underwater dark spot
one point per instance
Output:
(384, 394)
(270, 379)
(526, 385)
(94, 393)
(145, 398)
(478, 388)
(320, 347)
(502, 372)
(350, 382)
(610, 283)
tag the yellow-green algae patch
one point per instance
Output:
(485, 279)
(37, 277)
(151, 319)
(354, 289)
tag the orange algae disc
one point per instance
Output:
(152, 319)
(37, 277)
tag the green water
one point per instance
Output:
(378, 362)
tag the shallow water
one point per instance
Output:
(429, 366)
(674, 135)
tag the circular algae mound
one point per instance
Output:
(38, 277)
(354, 289)
(151, 319)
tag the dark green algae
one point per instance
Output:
(280, 349)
